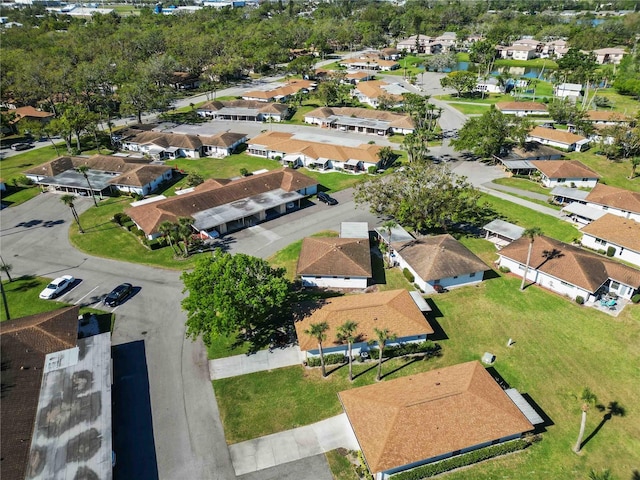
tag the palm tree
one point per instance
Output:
(602, 475)
(168, 230)
(68, 201)
(531, 234)
(588, 398)
(388, 226)
(383, 336)
(318, 331)
(346, 333)
(635, 163)
(83, 169)
(185, 231)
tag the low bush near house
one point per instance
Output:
(408, 275)
(580, 300)
(611, 251)
(636, 298)
(331, 359)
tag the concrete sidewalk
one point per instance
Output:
(291, 445)
(257, 362)
(520, 201)
(518, 191)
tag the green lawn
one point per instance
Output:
(560, 348)
(536, 62)
(522, 184)
(334, 181)
(469, 109)
(613, 173)
(23, 300)
(621, 103)
(17, 195)
(12, 167)
(527, 218)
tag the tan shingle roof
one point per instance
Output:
(167, 140)
(395, 119)
(292, 87)
(564, 169)
(373, 89)
(141, 176)
(571, 264)
(438, 257)
(215, 193)
(224, 139)
(615, 229)
(285, 142)
(555, 135)
(24, 343)
(393, 309)
(421, 416)
(615, 197)
(28, 111)
(344, 257)
(261, 107)
(603, 116)
(529, 106)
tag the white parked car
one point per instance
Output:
(56, 287)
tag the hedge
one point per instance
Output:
(636, 298)
(463, 460)
(408, 275)
(611, 251)
(331, 359)
(392, 351)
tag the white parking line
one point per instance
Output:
(86, 295)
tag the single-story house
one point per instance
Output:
(488, 85)
(372, 92)
(222, 144)
(620, 233)
(323, 156)
(56, 413)
(609, 55)
(281, 93)
(224, 205)
(335, 262)
(438, 262)
(581, 214)
(371, 62)
(360, 120)
(502, 233)
(568, 270)
(393, 235)
(184, 80)
(244, 110)
(558, 138)
(164, 145)
(565, 172)
(563, 195)
(617, 201)
(358, 76)
(395, 310)
(602, 117)
(31, 113)
(390, 54)
(415, 420)
(522, 109)
(518, 160)
(106, 173)
(572, 91)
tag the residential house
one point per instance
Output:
(281, 93)
(224, 205)
(579, 213)
(335, 262)
(106, 174)
(572, 91)
(374, 92)
(324, 156)
(358, 76)
(554, 49)
(519, 52)
(390, 54)
(415, 420)
(518, 160)
(565, 172)
(559, 139)
(56, 399)
(244, 110)
(438, 262)
(361, 120)
(605, 118)
(222, 144)
(609, 55)
(611, 231)
(444, 43)
(371, 62)
(568, 270)
(563, 195)
(522, 109)
(414, 44)
(394, 310)
(528, 42)
(31, 113)
(616, 201)
(502, 233)
(488, 85)
(184, 81)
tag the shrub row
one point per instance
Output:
(408, 275)
(462, 460)
(427, 347)
(331, 359)
(636, 298)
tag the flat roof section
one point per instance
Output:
(506, 229)
(354, 230)
(72, 433)
(524, 406)
(568, 192)
(73, 179)
(584, 211)
(360, 122)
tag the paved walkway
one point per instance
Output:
(257, 362)
(518, 191)
(291, 445)
(519, 201)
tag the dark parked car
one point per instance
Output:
(325, 198)
(118, 294)
(21, 146)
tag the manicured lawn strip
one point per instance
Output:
(14, 166)
(103, 238)
(527, 218)
(469, 109)
(15, 196)
(293, 396)
(613, 173)
(334, 181)
(23, 299)
(489, 99)
(298, 117)
(522, 184)
(226, 346)
(227, 167)
(534, 200)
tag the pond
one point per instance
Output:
(516, 72)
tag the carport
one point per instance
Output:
(72, 181)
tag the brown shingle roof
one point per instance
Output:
(529, 106)
(270, 107)
(141, 176)
(564, 169)
(615, 197)
(215, 193)
(373, 89)
(555, 135)
(285, 142)
(24, 343)
(167, 140)
(395, 119)
(28, 111)
(570, 264)
(393, 309)
(224, 139)
(290, 88)
(604, 116)
(429, 414)
(344, 257)
(615, 229)
(438, 257)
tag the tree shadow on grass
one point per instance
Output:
(407, 361)
(613, 409)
